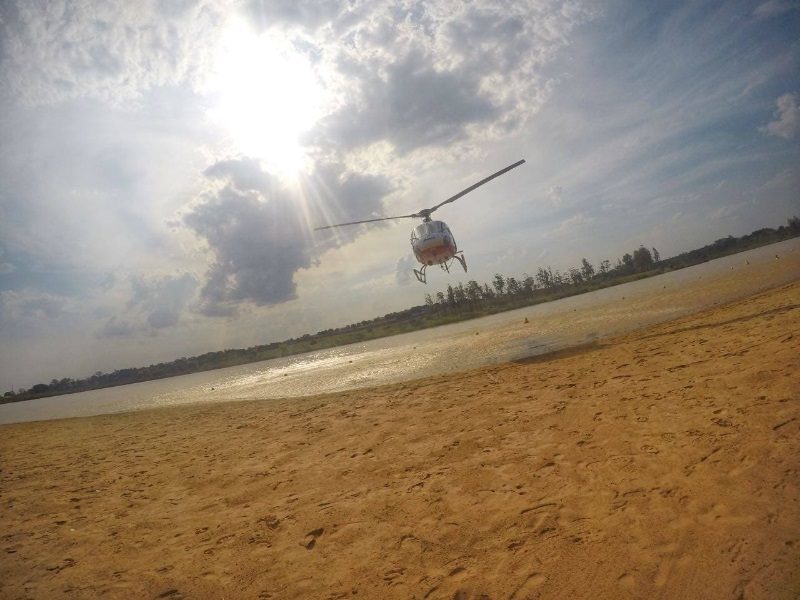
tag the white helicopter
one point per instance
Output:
(432, 241)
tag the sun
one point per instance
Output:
(267, 95)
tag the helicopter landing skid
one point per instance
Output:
(459, 256)
(420, 275)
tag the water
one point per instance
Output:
(494, 339)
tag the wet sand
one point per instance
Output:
(664, 463)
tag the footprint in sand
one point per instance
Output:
(627, 581)
(528, 587)
(270, 521)
(456, 572)
(311, 538)
(391, 576)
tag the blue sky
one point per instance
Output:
(165, 162)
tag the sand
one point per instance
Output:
(664, 463)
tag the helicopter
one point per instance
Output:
(432, 241)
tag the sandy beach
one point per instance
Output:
(663, 463)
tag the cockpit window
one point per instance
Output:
(424, 229)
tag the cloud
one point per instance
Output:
(403, 269)
(309, 13)
(787, 121)
(412, 105)
(108, 50)
(554, 194)
(154, 303)
(162, 298)
(574, 225)
(432, 75)
(24, 312)
(6, 267)
(115, 327)
(773, 8)
(259, 232)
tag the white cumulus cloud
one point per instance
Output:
(787, 121)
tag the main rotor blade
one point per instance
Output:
(477, 185)
(359, 222)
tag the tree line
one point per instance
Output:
(506, 290)
(456, 302)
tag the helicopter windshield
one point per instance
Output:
(424, 229)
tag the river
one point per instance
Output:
(494, 339)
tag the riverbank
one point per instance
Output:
(416, 318)
(662, 463)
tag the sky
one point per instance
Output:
(163, 164)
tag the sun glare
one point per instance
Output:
(267, 96)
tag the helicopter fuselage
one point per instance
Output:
(433, 243)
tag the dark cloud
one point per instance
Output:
(155, 303)
(412, 105)
(162, 298)
(245, 174)
(27, 311)
(116, 328)
(491, 39)
(259, 233)
(424, 75)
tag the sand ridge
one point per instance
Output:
(661, 464)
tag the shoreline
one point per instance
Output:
(568, 322)
(638, 467)
(444, 318)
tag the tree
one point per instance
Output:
(728, 242)
(528, 284)
(544, 277)
(439, 297)
(473, 291)
(575, 276)
(794, 223)
(642, 259)
(428, 300)
(488, 293)
(627, 261)
(459, 293)
(587, 270)
(605, 266)
(656, 256)
(512, 286)
(451, 295)
(499, 283)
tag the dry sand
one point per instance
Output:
(660, 464)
